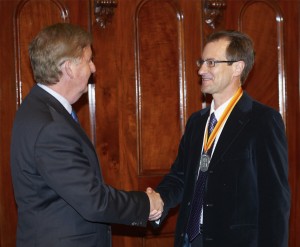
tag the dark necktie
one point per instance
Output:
(193, 228)
(74, 116)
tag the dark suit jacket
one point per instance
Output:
(247, 198)
(60, 193)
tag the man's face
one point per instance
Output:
(217, 79)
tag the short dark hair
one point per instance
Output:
(240, 48)
(53, 46)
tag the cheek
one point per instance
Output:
(85, 72)
(223, 74)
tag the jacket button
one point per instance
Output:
(209, 205)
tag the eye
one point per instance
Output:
(210, 63)
(200, 62)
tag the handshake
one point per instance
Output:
(156, 204)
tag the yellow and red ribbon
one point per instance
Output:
(209, 141)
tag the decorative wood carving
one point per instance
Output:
(213, 10)
(104, 11)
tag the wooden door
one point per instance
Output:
(145, 73)
(146, 85)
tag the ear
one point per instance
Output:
(68, 71)
(238, 68)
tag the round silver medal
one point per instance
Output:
(204, 162)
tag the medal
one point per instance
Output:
(209, 139)
(204, 162)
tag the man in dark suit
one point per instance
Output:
(59, 189)
(243, 197)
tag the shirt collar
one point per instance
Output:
(56, 95)
(220, 110)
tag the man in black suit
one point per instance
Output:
(243, 197)
(59, 189)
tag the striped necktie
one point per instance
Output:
(193, 228)
(74, 116)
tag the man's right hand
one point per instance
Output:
(156, 204)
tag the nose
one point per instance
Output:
(202, 69)
(92, 67)
(199, 68)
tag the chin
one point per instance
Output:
(85, 90)
(205, 89)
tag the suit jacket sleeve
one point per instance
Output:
(273, 187)
(71, 169)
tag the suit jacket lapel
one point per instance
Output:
(197, 141)
(58, 107)
(235, 123)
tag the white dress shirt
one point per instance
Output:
(56, 95)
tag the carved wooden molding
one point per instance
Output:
(104, 11)
(213, 10)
